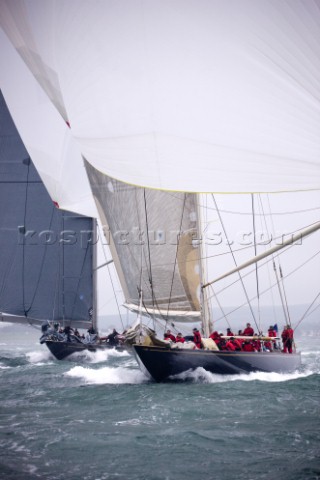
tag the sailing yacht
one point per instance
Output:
(225, 102)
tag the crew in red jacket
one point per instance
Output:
(180, 338)
(248, 331)
(168, 336)
(271, 345)
(236, 343)
(257, 345)
(229, 332)
(215, 336)
(230, 345)
(271, 332)
(197, 337)
(287, 339)
(248, 347)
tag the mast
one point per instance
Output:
(205, 312)
(94, 275)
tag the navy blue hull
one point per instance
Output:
(160, 362)
(61, 350)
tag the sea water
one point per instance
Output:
(98, 417)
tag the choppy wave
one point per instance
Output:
(39, 356)
(4, 367)
(103, 355)
(105, 375)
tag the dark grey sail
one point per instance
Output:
(46, 255)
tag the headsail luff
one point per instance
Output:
(45, 257)
(226, 102)
(153, 240)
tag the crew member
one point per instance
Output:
(229, 332)
(248, 331)
(112, 338)
(197, 337)
(168, 336)
(270, 345)
(237, 344)
(230, 345)
(180, 338)
(248, 347)
(287, 339)
(272, 332)
(215, 336)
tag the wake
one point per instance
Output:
(200, 375)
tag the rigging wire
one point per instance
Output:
(176, 254)
(284, 295)
(26, 161)
(110, 277)
(219, 305)
(148, 240)
(143, 254)
(255, 253)
(270, 287)
(154, 300)
(79, 277)
(41, 267)
(235, 212)
(307, 313)
(265, 263)
(282, 292)
(235, 262)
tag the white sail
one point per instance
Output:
(189, 95)
(154, 243)
(46, 136)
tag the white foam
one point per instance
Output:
(107, 375)
(103, 355)
(4, 367)
(200, 374)
(5, 325)
(39, 356)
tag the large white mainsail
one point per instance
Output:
(189, 95)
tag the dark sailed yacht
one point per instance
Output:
(47, 255)
(61, 349)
